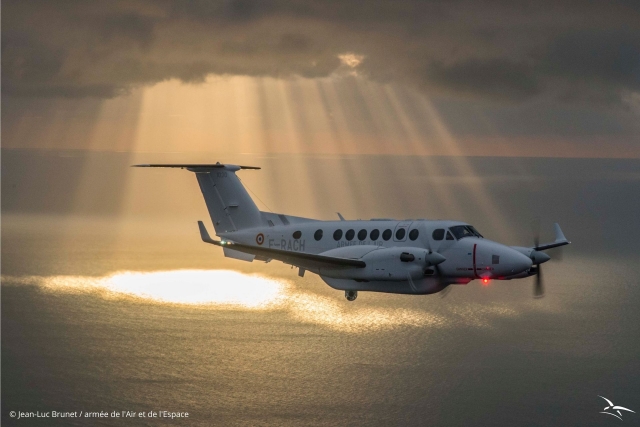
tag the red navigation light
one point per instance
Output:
(485, 281)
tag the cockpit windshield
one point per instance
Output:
(460, 231)
(475, 231)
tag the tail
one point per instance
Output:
(230, 206)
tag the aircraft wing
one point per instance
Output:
(289, 257)
(193, 166)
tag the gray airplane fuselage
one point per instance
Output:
(380, 243)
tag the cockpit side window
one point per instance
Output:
(449, 236)
(438, 234)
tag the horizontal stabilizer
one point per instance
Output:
(289, 257)
(230, 206)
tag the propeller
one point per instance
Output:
(538, 286)
(434, 259)
(539, 256)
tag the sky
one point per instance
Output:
(481, 78)
(372, 109)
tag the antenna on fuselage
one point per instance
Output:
(340, 216)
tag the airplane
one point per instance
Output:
(416, 257)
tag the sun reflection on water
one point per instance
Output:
(337, 315)
(202, 287)
(232, 290)
(186, 287)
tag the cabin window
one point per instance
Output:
(400, 233)
(362, 234)
(438, 234)
(413, 234)
(337, 235)
(449, 236)
(386, 234)
(317, 235)
(349, 235)
(374, 234)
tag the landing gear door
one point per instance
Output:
(400, 233)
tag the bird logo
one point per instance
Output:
(614, 408)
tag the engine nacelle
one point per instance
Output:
(393, 264)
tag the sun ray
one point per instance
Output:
(463, 167)
(427, 165)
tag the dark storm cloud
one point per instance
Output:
(491, 49)
(612, 56)
(493, 77)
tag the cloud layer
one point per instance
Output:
(574, 51)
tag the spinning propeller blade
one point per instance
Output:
(434, 258)
(538, 286)
(439, 259)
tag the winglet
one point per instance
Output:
(340, 216)
(559, 234)
(560, 240)
(204, 234)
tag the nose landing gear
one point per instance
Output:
(351, 295)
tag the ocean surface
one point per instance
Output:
(104, 313)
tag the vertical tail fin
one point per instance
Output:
(229, 205)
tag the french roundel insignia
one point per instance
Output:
(260, 239)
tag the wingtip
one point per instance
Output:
(559, 234)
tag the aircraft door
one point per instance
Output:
(400, 233)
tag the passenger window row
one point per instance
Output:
(362, 234)
(438, 234)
